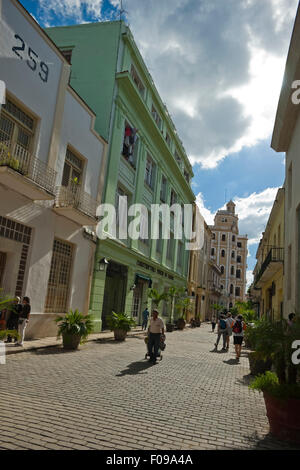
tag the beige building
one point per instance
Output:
(229, 252)
(286, 138)
(268, 272)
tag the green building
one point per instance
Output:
(146, 162)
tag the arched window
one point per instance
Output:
(223, 253)
(231, 288)
(232, 270)
(233, 238)
(213, 236)
(232, 254)
(222, 287)
(222, 269)
(238, 291)
(223, 237)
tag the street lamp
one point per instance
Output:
(102, 264)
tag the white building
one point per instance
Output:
(286, 138)
(52, 165)
(229, 251)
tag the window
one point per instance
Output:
(223, 237)
(163, 189)
(223, 254)
(145, 229)
(67, 53)
(178, 159)
(233, 238)
(137, 81)
(239, 244)
(168, 139)
(231, 288)
(232, 254)
(173, 198)
(156, 117)
(122, 217)
(222, 269)
(159, 240)
(150, 172)
(212, 252)
(224, 220)
(239, 259)
(222, 287)
(59, 278)
(180, 254)
(130, 144)
(16, 128)
(232, 271)
(73, 168)
(187, 176)
(238, 273)
(213, 236)
(238, 291)
(170, 247)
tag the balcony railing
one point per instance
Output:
(274, 255)
(13, 156)
(76, 198)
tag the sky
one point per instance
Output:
(218, 65)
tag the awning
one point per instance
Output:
(141, 277)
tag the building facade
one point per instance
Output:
(51, 175)
(286, 138)
(268, 272)
(229, 252)
(146, 163)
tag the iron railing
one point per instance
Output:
(20, 160)
(73, 196)
(274, 255)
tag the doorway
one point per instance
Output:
(114, 291)
(2, 266)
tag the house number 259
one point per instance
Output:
(32, 60)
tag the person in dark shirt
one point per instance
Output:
(23, 320)
(13, 320)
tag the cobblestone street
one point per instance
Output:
(106, 396)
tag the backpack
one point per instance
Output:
(223, 325)
(237, 327)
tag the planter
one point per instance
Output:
(71, 341)
(181, 324)
(169, 327)
(257, 365)
(284, 418)
(198, 323)
(120, 335)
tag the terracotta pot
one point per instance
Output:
(258, 366)
(71, 341)
(284, 418)
(120, 335)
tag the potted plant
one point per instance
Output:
(74, 328)
(120, 324)
(280, 388)
(174, 294)
(156, 299)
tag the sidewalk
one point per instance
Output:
(49, 342)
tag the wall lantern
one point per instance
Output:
(102, 264)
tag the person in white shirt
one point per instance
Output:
(156, 328)
(229, 323)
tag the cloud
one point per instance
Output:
(218, 64)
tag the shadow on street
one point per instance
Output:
(135, 368)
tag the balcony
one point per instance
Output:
(76, 205)
(26, 174)
(214, 289)
(271, 265)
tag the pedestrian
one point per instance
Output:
(291, 319)
(145, 316)
(213, 322)
(155, 330)
(222, 331)
(229, 323)
(23, 320)
(238, 329)
(13, 320)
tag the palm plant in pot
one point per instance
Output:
(6, 303)
(120, 324)
(281, 387)
(74, 328)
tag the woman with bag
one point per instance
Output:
(238, 329)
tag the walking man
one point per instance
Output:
(145, 315)
(23, 320)
(229, 323)
(213, 322)
(222, 331)
(238, 329)
(156, 328)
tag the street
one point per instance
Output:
(107, 396)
